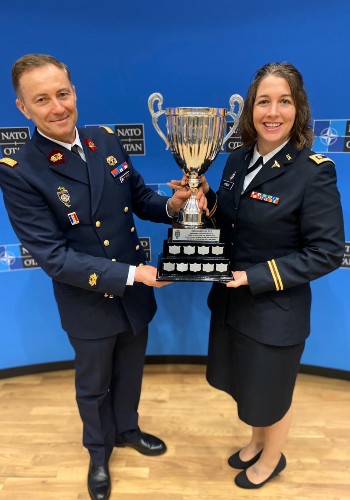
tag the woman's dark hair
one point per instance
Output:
(301, 134)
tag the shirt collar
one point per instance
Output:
(65, 144)
(267, 157)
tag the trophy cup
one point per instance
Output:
(193, 250)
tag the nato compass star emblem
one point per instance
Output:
(328, 136)
(7, 258)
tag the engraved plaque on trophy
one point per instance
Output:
(193, 250)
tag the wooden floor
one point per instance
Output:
(41, 456)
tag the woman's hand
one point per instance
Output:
(239, 279)
(183, 192)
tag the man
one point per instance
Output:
(70, 194)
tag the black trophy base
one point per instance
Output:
(185, 257)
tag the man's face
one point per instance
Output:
(48, 99)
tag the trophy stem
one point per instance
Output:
(190, 215)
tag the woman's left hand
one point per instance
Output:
(239, 278)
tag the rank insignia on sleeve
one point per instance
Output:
(111, 160)
(107, 129)
(9, 162)
(90, 144)
(56, 157)
(265, 197)
(318, 159)
(63, 196)
(93, 279)
(73, 218)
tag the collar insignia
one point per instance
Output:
(276, 165)
(56, 157)
(63, 196)
(288, 157)
(111, 160)
(90, 144)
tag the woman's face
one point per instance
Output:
(273, 113)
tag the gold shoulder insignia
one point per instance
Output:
(107, 129)
(9, 162)
(318, 159)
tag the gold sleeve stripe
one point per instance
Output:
(213, 210)
(274, 265)
(273, 274)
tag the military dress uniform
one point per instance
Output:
(76, 219)
(284, 230)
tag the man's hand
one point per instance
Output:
(183, 192)
(239, 279)
(147, 275)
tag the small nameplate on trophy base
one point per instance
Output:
(194, 234)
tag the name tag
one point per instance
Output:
(227, 184)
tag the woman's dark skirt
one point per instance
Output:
(260, 377)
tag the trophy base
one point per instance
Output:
(194, 255)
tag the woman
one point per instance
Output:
(279, 208)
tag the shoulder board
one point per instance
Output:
(9, 162)
(107, 129)
(318, 159)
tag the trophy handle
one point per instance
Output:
(156, 114)
(236, 98)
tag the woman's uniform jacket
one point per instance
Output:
(76, 219)
(285, 230)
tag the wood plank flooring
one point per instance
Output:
(41, 456)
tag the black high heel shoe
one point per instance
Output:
(235, 462)
(243, 482)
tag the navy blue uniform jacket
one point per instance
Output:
(285, 230)
(89, 260)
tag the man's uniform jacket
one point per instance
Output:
(285, 230)
(76, 219)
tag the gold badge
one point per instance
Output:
(276, 165)
(56, 157)
(63, 195)
(111, 160)
(288, 157)
(93, 279)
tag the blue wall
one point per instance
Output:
(196, 53)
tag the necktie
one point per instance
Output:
(75, 150)
(255, 165)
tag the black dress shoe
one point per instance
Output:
(99, 482)
(243, 482)
(237, 463)
(142, 442)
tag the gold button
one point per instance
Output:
(137, 247)
(132, 229)
(97, 223)
(114, 260)
(106, 243)
(126, 209)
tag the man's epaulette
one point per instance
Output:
(318, 159)
(9, 162)
(107, 129)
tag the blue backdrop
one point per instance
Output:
(196, 53)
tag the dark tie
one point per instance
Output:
(75, 150)
(255, 165)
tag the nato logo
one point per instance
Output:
(12, 138)
(15, 257)
(332, 136)
(346, 258)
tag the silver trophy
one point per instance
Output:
(193, 250)
(195, 137)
